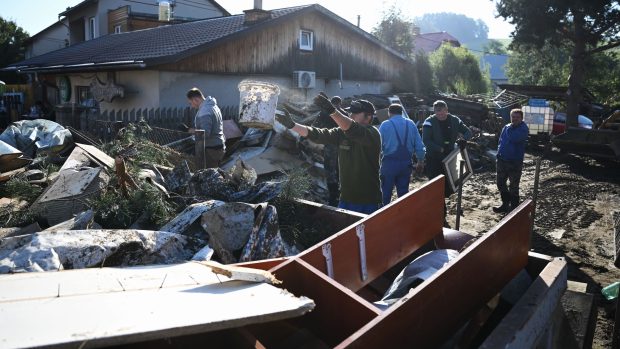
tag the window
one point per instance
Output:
(91, 28)
(85, 97)
(118, 29)
(305, 40)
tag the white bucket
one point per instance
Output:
(257, 106)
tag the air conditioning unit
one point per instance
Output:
(304, 79)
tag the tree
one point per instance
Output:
(395, 30)
(417, 77)
(12, 47)
(470, 32)
(548, 65)
(458, 71)
(590, 26)
(494, 47)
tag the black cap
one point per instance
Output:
(361, 105)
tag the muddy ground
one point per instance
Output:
(577, 199)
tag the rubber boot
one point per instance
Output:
(514, 201)
(505, 207)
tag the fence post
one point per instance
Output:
(200, 149)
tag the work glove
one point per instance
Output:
(462, 143)
(323, 102)
(285, 119)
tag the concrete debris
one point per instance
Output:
(69, 194)
(184, 222)
(76, 249)
(81, 221)
(178, 179)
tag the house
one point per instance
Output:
(91, 19)
(497, 67)
(429, 42)
(304, 49)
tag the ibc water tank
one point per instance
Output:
(164, 11)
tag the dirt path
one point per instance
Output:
(576, 203)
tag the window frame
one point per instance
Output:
(118, 29)
(306, 33)
(92, 28)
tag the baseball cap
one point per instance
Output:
(361, 105)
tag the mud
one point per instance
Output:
(577, 200)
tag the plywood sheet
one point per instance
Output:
(110, 306)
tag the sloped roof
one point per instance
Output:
(496, 64)
(430, 42)
(86, 2)
(166, 44)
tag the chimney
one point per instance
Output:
(415, 30)
(257, 14)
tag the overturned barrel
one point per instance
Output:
(257, 105)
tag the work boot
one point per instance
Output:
(505, 207)
(334, 194)
(514, 201)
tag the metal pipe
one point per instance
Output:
(459, 196)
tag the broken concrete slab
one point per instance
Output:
(184, 220)
(77, 159)
(69, 194)
(81, 221)
(210, 184)
(230, 223)
(16, 231)
(78, 249)
(97, 155)
(178, 179)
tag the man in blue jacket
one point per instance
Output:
(399, 140)
(510, 152)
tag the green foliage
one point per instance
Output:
(297, 185)
(114, 211)
(18, 188)
(458, 71)
(417, 76)
(588, 27)
(495, 47)
(12, 46)
(548, 65)
(394, 30)
(134, 135)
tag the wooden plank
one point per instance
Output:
(435, 309)
(391, 234)
(338, 313)
(529, 319)
(111, 306)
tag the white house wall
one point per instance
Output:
(224, 88)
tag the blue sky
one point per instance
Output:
(35, 15)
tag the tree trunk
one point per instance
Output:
(575, 81)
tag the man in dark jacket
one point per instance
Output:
(330, 153)
(209, 119)
(440, 132)
(510, 153)
(359, 148)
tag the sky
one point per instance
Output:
(371, 11)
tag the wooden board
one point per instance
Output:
(341, 312)
(390, 234)
(109, 306)
(435, 309)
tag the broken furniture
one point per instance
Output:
(110, 306)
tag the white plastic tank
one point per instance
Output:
(538, 119)
(164, 11)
